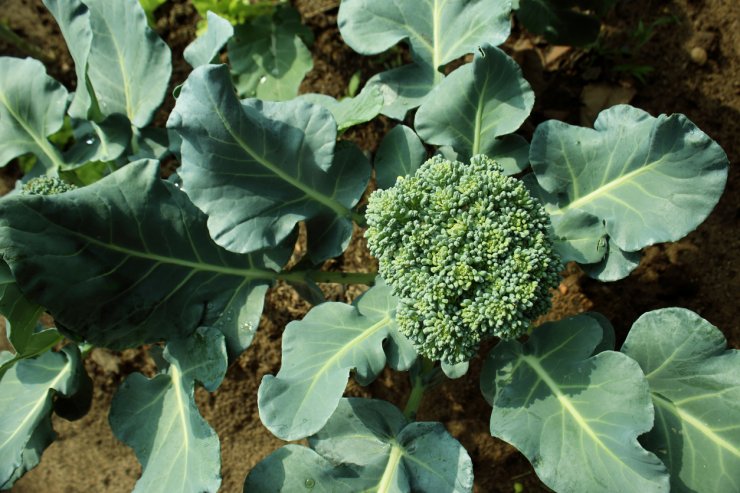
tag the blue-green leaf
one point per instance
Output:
(104, 141)
(368, 445)
(616, 264)
(695, 384)
(257, 168)
(575, 415)
(139, 257)
(205, 48)
(350, 111)
(27, 393)
(475, 104)
(159, 419)
(32, 107)
(73, 18)
(400, 154)
(128, 66)
(268, 56)
(318, 354)
(437, 31)
(648, 179)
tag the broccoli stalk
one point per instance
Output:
(466, 250)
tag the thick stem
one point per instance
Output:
(326, 276)
(420, 381)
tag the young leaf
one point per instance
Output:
(318, 354)
(268, 57)
(648, 179)
(616, 264)
(27, 393)
(23, 331)
(139, 257)
(368, 445)
(32, 107)
(575, 415)
(73, 18)
(400, 153)
(131, 81)
(104, 141)
(695, 385)
(158, 417)
(206, 47)
(475, 104)
(437, 31)
(257, 168)
(350, 111)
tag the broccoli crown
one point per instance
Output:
(46, 185)
(466, 250)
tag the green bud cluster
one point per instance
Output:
(466, 250)
(46, 185)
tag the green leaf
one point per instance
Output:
(159, 419)
(329, 234)
(647, 179)
(139, 257)
(616, 264)
(400, 154)
(27, 393)
(575, 415)
(437, 31)
(349, 112)
(32, 107)
(368, 445)
(129, 66)
(268, 57)
(318, 354)
(559, 22)
(206, 47)
(73, 19)
(257, 168)
(475, 104)
(104, 141)
(21, 325)
(298, 468)
(695, 384)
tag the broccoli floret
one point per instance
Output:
(46, 185)
(466, 250)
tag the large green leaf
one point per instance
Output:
(475, 104)
(205, 48)
(128, 66)
(437, 31)
(368, 445)
(647, 179)
(318, 354)
(73, 18)
(400, 153)
(128, 260)
(575, 415)
(268, 56)
(695, 384)
(26, 402)
(32, 107)
(258, 168)
(159, 419)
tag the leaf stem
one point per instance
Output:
(327, 276)
(420, 381)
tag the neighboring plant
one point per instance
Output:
(566, 22)
(467, 252)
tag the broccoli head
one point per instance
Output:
(466, 250)
(46, 185)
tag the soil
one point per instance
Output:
(690, 64)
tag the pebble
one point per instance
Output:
(699, 55)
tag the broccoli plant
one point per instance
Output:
(466, 252)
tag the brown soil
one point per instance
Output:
(699, 272)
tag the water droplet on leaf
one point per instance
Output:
(263, 79)
(90, 141)
(309, 483)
